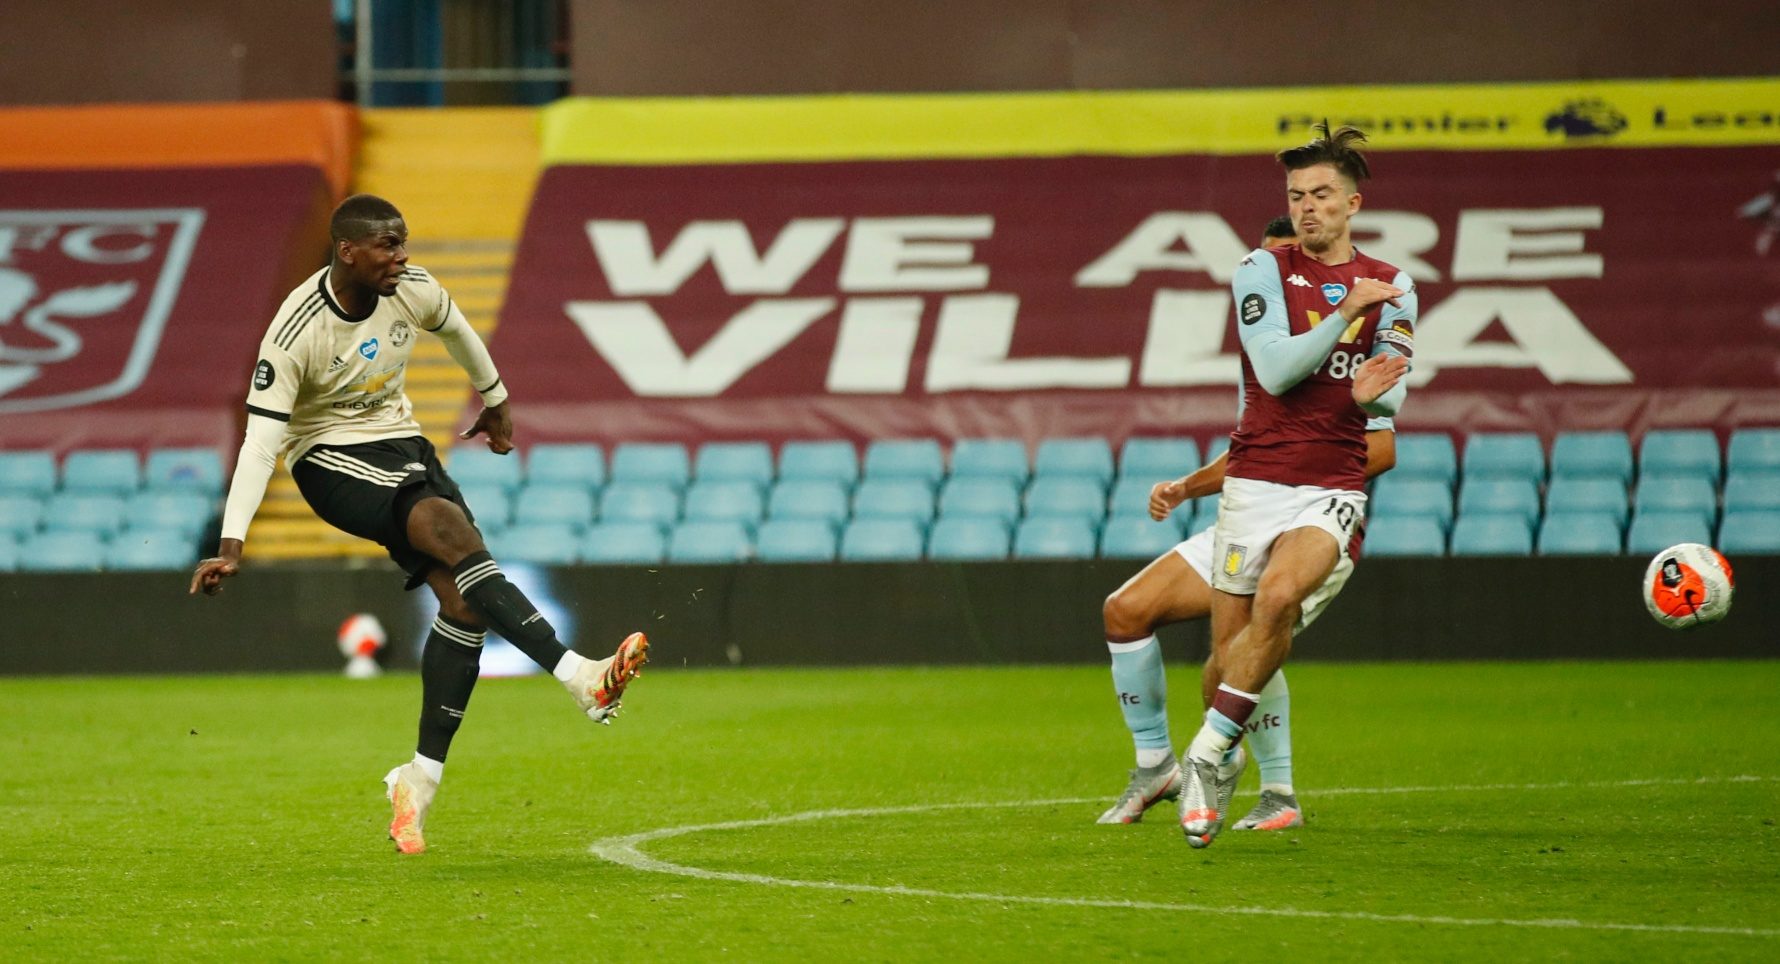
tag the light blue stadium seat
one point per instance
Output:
(550, 504)
(968, 539)
(652, 502)
(735, 462)
(79, 511)
(1690, 451)
(795, 540)
(1203, 519)
(27, 473)
(490, 504)
(661, 462)
(1580, 533)
(1750, 531)
(62, 551)
(710, 541)
(1592, 454)
(993, 497)
(1405, 535)
(1131, 497)
(1078, 497)
(998, 458)
(623, 543)
(894, 498)
(724, 500)
(1490, 534)
(1571, 494)
(1748, 490)
(1216, 447)
(20, 514)
(1655, 531)
(1155, 459)
(905, 459)
(1505, 455)
(197, 469)
(1135, 537)
(1669, 493)
(1426, 455)
(819, 499)
(142, 549)
(540, 545)
(1753, 450)
(573, 463)
(881, 540)
(1072, 457)
(113, 471)
(1394, 496)
(476, 465)
(1054, 538)
(9, 553)
(1499, 494)
(819, 461)
(184, 511)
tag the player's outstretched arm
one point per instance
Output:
(211, 572)
(1208, 479)
(495, 421)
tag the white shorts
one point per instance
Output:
(1197, 551)
(1252, 514)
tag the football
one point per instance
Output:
(1688, 585)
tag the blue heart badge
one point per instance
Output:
(1334, 292)
(369, 349)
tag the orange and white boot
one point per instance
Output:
(599, 683)
(410, 792)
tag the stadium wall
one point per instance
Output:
(284, 619)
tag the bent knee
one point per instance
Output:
(1124, 619)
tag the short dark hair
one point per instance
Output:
(359, 215)
(1336, 149)
(1280, 227)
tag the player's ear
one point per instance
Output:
(343, 251)
(1353, 202)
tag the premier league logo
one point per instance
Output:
(84, 298)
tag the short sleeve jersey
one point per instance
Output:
(1314, 433)
(336, 378)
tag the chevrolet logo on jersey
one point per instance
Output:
(373, 383)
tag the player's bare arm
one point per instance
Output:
(495, 421)
(211, 572)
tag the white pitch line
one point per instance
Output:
(625, 851)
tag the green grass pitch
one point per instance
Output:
(1481, 812)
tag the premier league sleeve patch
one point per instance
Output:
(263, 376)
(1253, 307)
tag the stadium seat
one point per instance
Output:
(580, 463)
(548, 504)
(881, 540)
(1133, 537)
(63, 551)
(1580, 533)
(623, 543)
(1691, 451)
(113, 471)
(1216, 447)
(20, 515)
(1572, 494)
(724, 500)
(1071, 457)
(476, 465)
(659, 462)
(1405, 535)
(1655, 531)
(998, 458)
(185, 512)
(1748, 490)
(1054, 538)
(9, 553)
(1151, 460)
(968, 539)
(710, 541)
(905, 459)
(27, 473)
(490, 504)
(1394, 497)
(1070, 497)
(894, 498)
(820, 499)
(1492, 534)
(795, 540)
(1426, 455)
(1202, 520)
(993, 497)
(735, 462)
(1497, 495)
(1750, 531)
(1131, 497)
(1668, 493)
(79, 511)
(1753, 450)
(819, 461)
(640, 502)
(142, 549)
(197, 469)
(541, 545)
(1592, 454)
(1505, 455)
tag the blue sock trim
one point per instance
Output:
(1223, 724)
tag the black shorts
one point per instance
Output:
(368, 490)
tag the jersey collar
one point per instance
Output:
(321, 283)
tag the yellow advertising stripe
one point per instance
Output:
(1695, 113)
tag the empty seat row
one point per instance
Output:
(180, 511)
(1569, 533)
(111, 471)
(1687, 452)
(89, 551)
(1398, 496)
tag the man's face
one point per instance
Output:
(377, 259)
(1321, 204)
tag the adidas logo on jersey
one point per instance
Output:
(337, 364)
(1298, 280)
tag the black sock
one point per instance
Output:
(448, 669)
(506, 610)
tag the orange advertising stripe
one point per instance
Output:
(320, 133)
